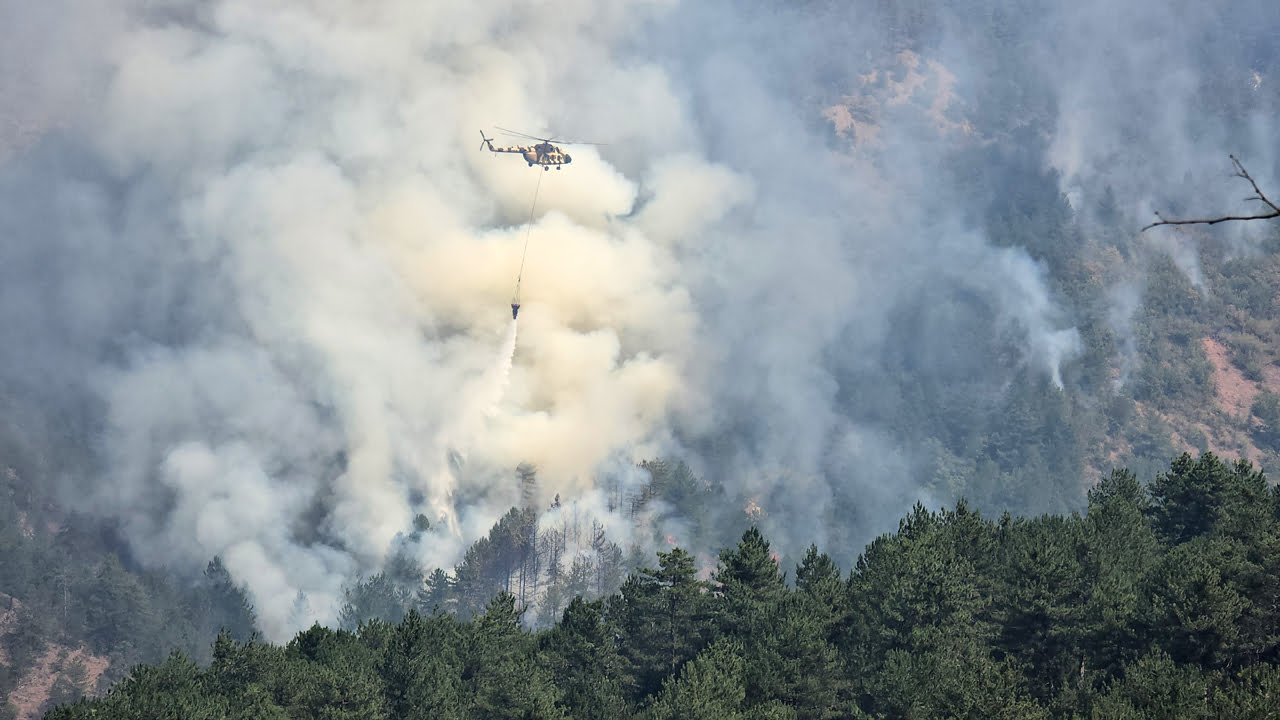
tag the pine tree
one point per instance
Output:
(436, 594)
(710, 687)
(1197, 496)
(609, 563)
(1039, 606)
(582, 656)
(1119, 547)
(503, 681)
(664, 619)
(380, 597)
(227, 605)
(422, 668)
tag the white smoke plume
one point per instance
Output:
(253, 253)
(316, 165)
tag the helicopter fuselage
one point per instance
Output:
(544, 153)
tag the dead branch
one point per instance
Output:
(1257, 195)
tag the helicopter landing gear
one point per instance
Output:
(545, 168)
(557, 167)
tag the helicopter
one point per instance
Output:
(544, 153)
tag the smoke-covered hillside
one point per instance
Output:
(835, 257)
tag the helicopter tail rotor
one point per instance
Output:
(485, 141)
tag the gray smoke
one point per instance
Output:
(251, 257)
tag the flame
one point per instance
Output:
(753, 509)
(671, 540)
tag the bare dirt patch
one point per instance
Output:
(1235, 391)
(910, 80)
(95, 665)
(33, 689)
(1224, 440)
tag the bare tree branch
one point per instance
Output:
(1257, 195)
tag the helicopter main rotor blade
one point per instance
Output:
(553, 141)
(526, 136)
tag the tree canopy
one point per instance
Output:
(1159, 601)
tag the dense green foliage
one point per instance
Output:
(65, 589)
(1159, 602)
